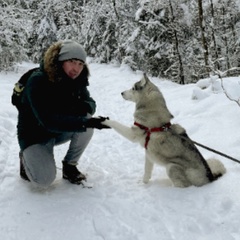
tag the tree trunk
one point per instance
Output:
(225, 38)
(204, 41)
(215, 50)
(181, 71)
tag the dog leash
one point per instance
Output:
(208, 148)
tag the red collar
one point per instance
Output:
(163, 128)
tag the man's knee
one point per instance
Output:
(40, 175)
(39, 165)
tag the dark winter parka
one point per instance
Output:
(53, 103)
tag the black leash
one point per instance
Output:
(208, 148)
(215, 151)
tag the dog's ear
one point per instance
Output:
(144, 80)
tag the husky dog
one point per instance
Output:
(165, 143)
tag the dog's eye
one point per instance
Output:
(137, 88)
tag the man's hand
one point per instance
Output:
(96, 123)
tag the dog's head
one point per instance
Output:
(140, 90)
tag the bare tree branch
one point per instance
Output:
(221, 75)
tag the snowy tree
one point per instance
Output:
(125, 26)
(14, 33)
(159, 41)
(148, 47)
(99, 27)
(222, 34)
(44, 31)
(196, 53)
(178, 27)
(230, 33)
(182, 40)
(69, 22)
(203, 33)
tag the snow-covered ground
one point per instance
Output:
(119, 206)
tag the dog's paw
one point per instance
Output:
(146, 179)
(107, 122)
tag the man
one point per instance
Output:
(56, 108)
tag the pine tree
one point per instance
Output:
(99, 29)
(182, 40)
(44, 31)
(14, 32)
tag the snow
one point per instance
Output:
(119, 206)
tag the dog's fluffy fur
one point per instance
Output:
(171, 148)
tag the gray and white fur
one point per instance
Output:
(171, 148)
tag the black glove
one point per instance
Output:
(96, 123)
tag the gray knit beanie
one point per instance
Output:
(72, 50)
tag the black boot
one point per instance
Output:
(23, 174)
(72, 174)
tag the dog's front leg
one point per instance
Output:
(148, 170)
(123, 130)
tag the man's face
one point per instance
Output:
(73, 67)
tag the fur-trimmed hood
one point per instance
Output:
(53, 67)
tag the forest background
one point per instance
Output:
(181, 40)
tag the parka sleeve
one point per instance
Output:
(90, 101)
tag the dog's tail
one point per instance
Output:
(217, 168)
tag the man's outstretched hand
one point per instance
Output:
(96, 123)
